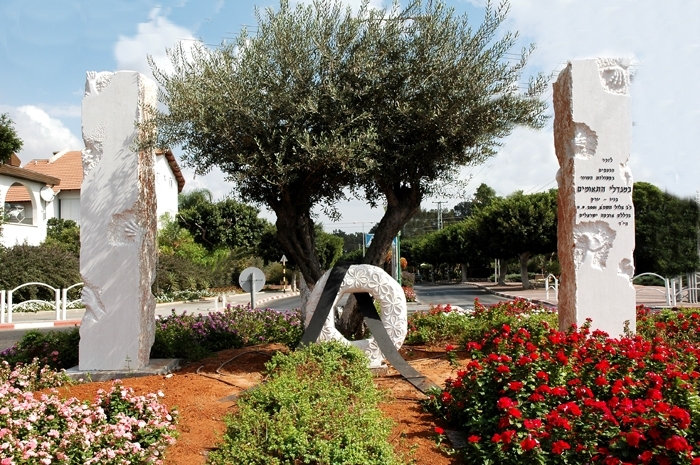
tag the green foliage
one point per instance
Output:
(319, 405)
(329, 249)
(9, 141)
(666, 232)
(532, 394)
(387, 101)
(177, 273)
(46, 263)
(194, 336)
(225, 223)
(442, 324)
(56, 349)
(65, 234)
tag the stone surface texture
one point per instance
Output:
(118, 224)
(384, 289)
(592, 138)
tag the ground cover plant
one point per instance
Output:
(118, 427)
(532, 394)
(318, 405)
(193, 336)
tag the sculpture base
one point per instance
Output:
(158, 366)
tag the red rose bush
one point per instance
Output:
(532, 394)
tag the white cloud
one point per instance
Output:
(69, 111)
(152, 38)
(42, 135)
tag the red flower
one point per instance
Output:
(543, 376)
(505, 403)
(515, 385)
(681, 415)
(439, 430)
(514, 412)
(508, 435)
(560, 446)
(529, 443)
(449, 348)
(534, 423)
(474, 438)
(633, 438)
(446, 397)
(502, 369)
(677, 444)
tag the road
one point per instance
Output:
(461, 295)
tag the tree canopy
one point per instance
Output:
(226, 223)
(666, 232)
(387, 102)
(9, 141)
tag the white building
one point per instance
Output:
(29, 203)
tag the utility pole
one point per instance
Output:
(363, 235)
(439, 204)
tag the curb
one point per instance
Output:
(509, 296)
(39, 324)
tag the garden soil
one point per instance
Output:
(204, 392)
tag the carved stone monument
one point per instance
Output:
(592, 138)
(118, 224)
(384, 289)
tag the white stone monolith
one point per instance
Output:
(592, 138)
(117, 224)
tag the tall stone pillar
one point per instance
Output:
(118, 224)
(592, 138)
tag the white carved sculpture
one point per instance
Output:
(384, 289)
(118, 224)
(592, 137)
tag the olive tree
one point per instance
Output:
(386, 102)
(266, 110)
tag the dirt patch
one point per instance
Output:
(204, 392)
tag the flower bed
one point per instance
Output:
(118, 427)
(532, 394)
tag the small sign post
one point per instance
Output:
(252, 280)
(284, 271)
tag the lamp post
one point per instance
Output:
(284, 271)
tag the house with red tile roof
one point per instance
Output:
(62, 178)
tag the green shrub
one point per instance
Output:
(45, 263)
(176, 273)
(318, 406)
(437, 325)
(57, 349)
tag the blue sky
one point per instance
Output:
(47, 46)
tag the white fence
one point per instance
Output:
(554, 286)
(60, 303)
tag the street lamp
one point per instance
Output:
(363, 235)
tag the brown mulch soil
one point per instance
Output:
(204, 392)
